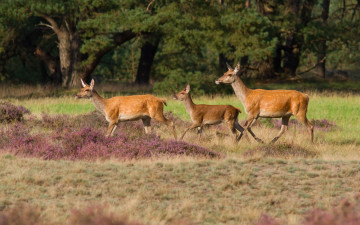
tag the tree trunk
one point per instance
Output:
(69, 51)
(295, 37)
(292, 54)
(322, 44)
(148, 51)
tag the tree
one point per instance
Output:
(322, 43)
(81, 34)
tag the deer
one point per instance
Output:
(209, 114)
(127, 108)
(268, 103)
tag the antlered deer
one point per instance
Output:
(268, 103)
(209, 114)
(127, 108)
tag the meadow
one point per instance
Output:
(57, 160)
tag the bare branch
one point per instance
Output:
(46, 25)
(148, 7)
(311, 68)
(52, 22)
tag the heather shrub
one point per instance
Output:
(347, 213)
(18, 140)
(90, 144)
(281, 150)
(267, 220)
(59, 121)
(93, 119)
(98, 215)
(323, 125)
(10, 112)
(20, 215)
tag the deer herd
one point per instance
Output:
(257, 103)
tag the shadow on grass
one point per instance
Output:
(352, 141)
(281, 150)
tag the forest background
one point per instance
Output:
(168, 43)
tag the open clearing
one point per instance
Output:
(285, 183)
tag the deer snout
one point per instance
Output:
(76, 96)
(217, 82)
(175, 97)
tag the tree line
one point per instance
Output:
(61, 41)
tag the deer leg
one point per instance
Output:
(189, 128)
(249, 122)
(111, 129)
(147, 124)
(310, 128)
(284, 127)
(199, 133)
(161, 118)
(241, 130)
(231, 126)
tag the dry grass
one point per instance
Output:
(283, 180)
(227, 191)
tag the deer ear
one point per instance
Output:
(92, 83)
(237, 68)
(83, 83)
(228, 66)
(187, 88)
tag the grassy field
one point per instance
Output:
(284, 181)
(227, 191)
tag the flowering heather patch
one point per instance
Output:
(347, 213)
(90, 144)
(59, 121)
(10, 112)
(281, 150)
(323, 125)
(98, 215)
(267, 220)
(21, 215)
(18, 140)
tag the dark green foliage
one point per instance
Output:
(271, 35)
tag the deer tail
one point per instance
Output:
(238, 109)
(163, 100)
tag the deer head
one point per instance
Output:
(86, 91)
(183, 94)
(229, 76)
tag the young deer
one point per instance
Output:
(268, 103)
(127, 108)
(209, 114)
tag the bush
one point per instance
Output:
(10, 112)
(97, 215)
(267, 220)
(347, 213)
(200, 83)
(281, 150)
(90, 144)
(21, 215)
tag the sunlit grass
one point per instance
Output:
(229, 191)
(234, 190)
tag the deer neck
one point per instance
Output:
(189, 105)
(98, 102)
(240, 89)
